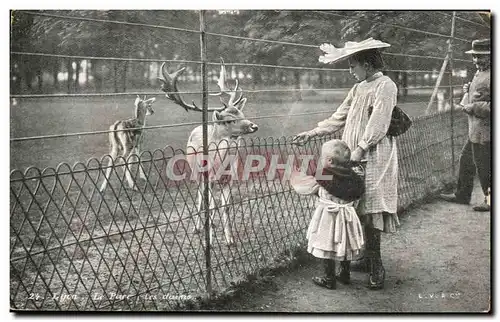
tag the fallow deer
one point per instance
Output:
(229, 124)
(126, 138)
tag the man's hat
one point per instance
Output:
(333, 54)
(480, 47)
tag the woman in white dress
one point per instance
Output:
(365, 117)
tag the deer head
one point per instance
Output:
(144, 105)
(229, 117)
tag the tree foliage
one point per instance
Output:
(424, 33)
(93, 36)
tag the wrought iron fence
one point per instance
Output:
(76, 248)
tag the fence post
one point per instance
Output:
(206, 203)
(450, 55)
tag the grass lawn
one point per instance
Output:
(49, 116)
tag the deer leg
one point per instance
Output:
(128, 174)
(106, 175)
(141, 170)
(137, 157)
(199, 206)
(210, 210)
(226, 221)
(113, 154)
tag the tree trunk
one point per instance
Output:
(115, 76)
(298, 92)
(404, 83)
(321, 79)
(39, 78)
(87, 70)
(124, 78)
(27, 78)
(69, 67)
(55, 72)
(257, 78)
(77, 74)
(148, 73)
(95, 76)
(15, 79)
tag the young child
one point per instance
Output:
(335, 232)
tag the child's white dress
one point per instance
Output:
(335, 231)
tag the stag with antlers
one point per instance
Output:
(229, 125)
(126, 138)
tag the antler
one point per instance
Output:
(223, 88)
(169, 86)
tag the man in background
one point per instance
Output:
(476, 154)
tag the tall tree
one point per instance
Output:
(96, 38)
(288, 26)
(413, 33)
(44, 34)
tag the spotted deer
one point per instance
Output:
(126, 138)
(229, 124)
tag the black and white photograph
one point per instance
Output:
(250, 160)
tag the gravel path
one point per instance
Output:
(439, 261)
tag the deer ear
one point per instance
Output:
(216, 116)
(137, 100)
(151, 100)
(241, 104)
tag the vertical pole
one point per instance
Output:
(206, 201)
(450, 56)
(438, 82)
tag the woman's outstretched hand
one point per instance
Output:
(302, 138)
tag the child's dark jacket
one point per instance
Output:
(345, 183)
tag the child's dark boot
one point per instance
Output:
(328, 280)
(344, 276)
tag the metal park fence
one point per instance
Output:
(74, 247)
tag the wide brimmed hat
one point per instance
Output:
(480, 47)
(333, 54)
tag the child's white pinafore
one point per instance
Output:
(335, 231)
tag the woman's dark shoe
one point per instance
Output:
(344, 276)
(453, 198)
(325, 282)
(377, 275)
(482, 207)
(372, 253)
